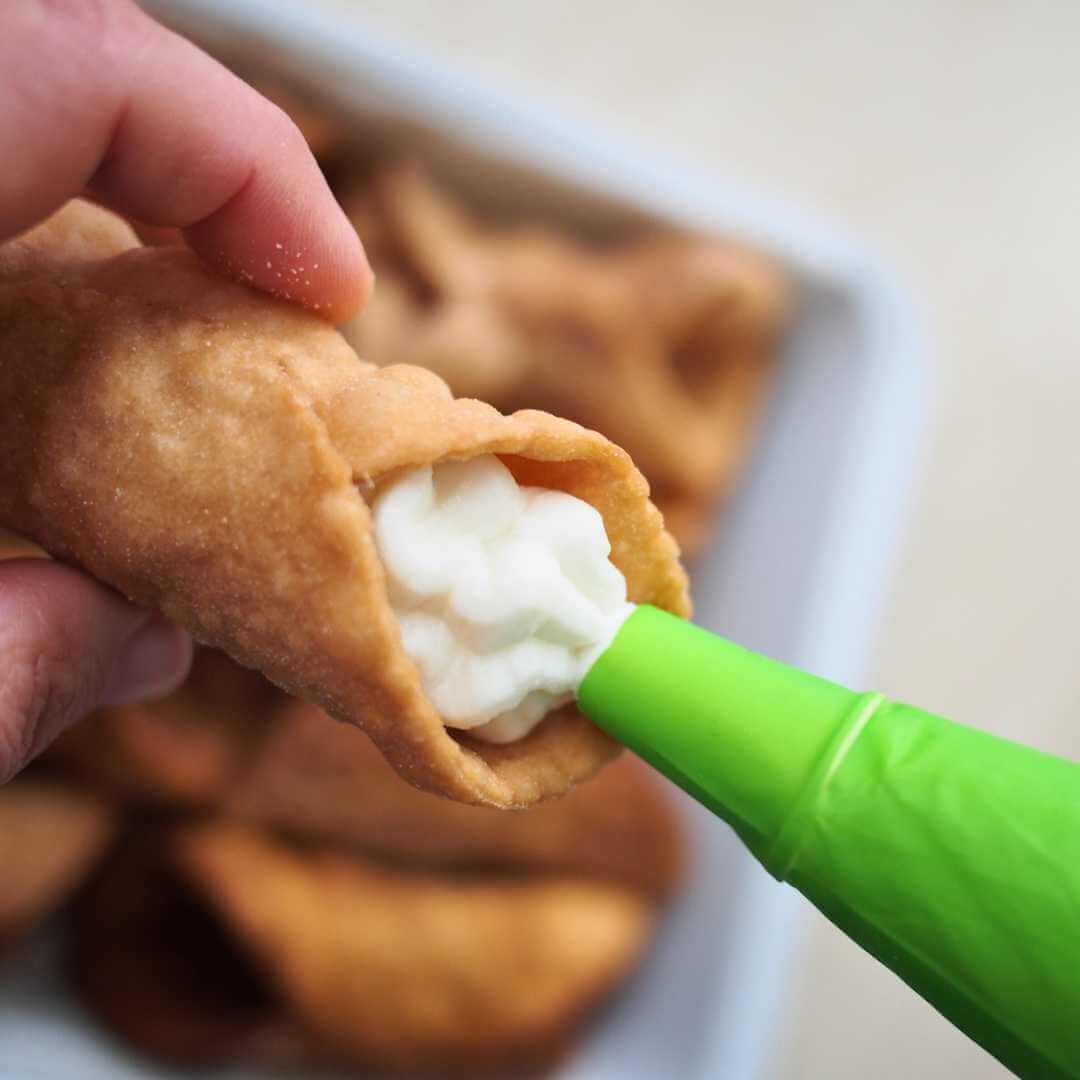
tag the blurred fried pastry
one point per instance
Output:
(229, 741)
(212, 944)
(159, 968)
(705, 298)
(404, 970)
(208, 451)
(50, 837)
(333, 784)
(664, 345)
(189, 748)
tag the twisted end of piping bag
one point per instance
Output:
(950, 855)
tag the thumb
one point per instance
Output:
(69, 645)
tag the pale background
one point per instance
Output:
(948, 135)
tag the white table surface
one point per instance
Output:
(947, 135)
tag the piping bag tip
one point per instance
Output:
(741, 733)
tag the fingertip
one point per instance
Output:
(347, 287)
(186, 144)
(153, 663)
(294, 244)
(356, 279)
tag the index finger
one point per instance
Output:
(96, 95)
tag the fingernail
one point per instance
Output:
(153, 663)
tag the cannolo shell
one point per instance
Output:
(208, 451)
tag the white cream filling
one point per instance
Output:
(505, 595)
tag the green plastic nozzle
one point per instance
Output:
(949, 854)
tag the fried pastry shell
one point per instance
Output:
(208, 451)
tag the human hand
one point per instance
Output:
(96, 98)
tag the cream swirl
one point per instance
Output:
(505, 595)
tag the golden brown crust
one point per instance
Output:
(406, 971)
(50, 837)
(206, 450)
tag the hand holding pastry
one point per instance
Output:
(165, 135)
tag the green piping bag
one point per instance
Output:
(949, 854)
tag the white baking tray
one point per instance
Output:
(805, 546)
